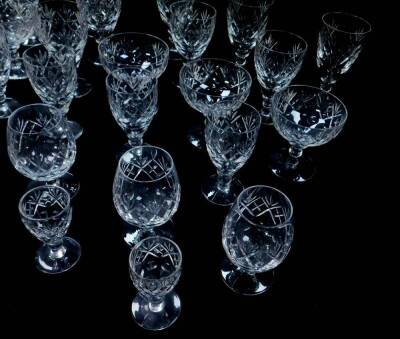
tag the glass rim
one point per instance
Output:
(26, 60)
(257, 113)
(240, 2)
(149, 74)
(59, 116)
(288, 220)
(43, 187)
(133, 254)
(361, 19)
(248, 75)
(274, 99)
(170, 169)
(303, 50)
(214, 11)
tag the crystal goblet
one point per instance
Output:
(305, 116)
(46, 212)
(256, 236)
(155, 266)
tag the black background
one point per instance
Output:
(324, 282)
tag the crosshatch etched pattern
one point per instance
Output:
(146, 188)
(308, 117)
(155, 266)
(214, 86)
(46, 212)
(258, 232)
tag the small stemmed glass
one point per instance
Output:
(146, 191)
(46, 212)
(155, 266)
(278, 58)
(230, 138)
(256, 236)
(305, 116)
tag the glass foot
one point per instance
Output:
(17, 71)
(76, 129)
(67, 181)
(243, 283)
(54, 262)
(156, 317)
(282, 166)
(9, 106)
(214, 195)
(196, 137)
(133, 235)
(84, 88)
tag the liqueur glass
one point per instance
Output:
(7, 105)
(155, 266)
(340, 42)
(133, 98)
(256, 236)
(305, 116)
(146, 190)
(192, 26)
(134, 49)
(41, 146)
(247, 21)
(46, 213)
(17, 17)
(212, 86)
(230, 138)
(62, 23)
(278, 58)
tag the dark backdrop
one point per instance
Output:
(325, 280)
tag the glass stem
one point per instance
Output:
(241, 56)
(136, 140)
(266, 103)
(326, 86)
(2, 95)
(224, 182)
(156, 304)
(295, 152)
(14, 54)
(57, 250)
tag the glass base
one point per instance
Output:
(133, 234)
(159, 317)
(67, 181)
(280, 166)
(76, 129)
(84, 87)
(61, 261)
(17, 71)
(196, 137)
(215, 196)
(9, 106)
(243, 283)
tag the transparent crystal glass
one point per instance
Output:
(17, 17)
(46, 213)
(213, 86)
(340, 42)
(134, 49)
(7, 105)
(305, 116)
(155, 266)
(256, 236)
(278, 58)
(247, 21)
(230, 138)
(133, 98)
(40, 144)
(192, 26)
(146, 190)
(62, 23)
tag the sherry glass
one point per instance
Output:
(17, 17)
(155, 266)
(278, 58)
(230, 139)
(212, 86)
(247, 21)
(41, 146)
(146, 190)
(305, 116)
(46, 213)
(133, 97)
(7, 105)
(340, 42)
(256, 236)
(192, 26)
